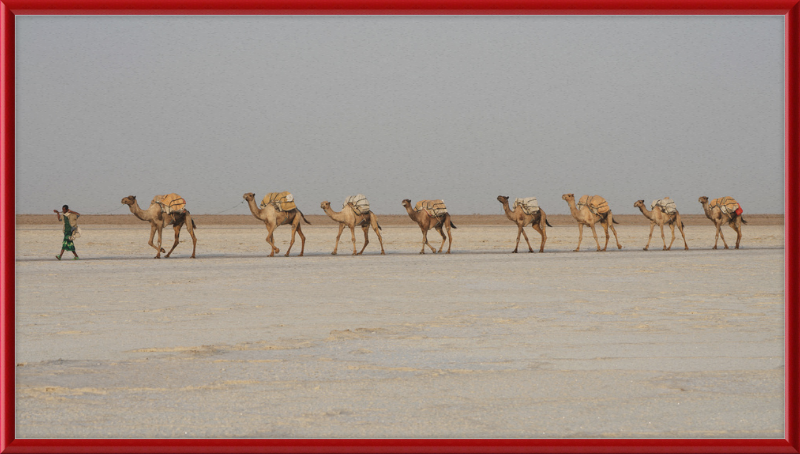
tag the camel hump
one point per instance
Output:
(282, 201)
(529, 205)
(434, 208)
(666, 205)
(359, 202)
(726, 205)
(170, 203)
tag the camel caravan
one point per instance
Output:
(279, 208)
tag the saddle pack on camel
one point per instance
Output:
(434, 208)
(282, 201)
(359, 202)
(596, 204)
(727, 205)
(529, 205)
(170, 203)
(666, 205)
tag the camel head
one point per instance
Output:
(703, 199)
(325, 205)
(568, 197)
(249, 196)
(639, 203)
(130, 200)
(406, 203)
(502, 198)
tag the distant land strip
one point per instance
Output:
(557, 220)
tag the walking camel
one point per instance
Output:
(158, 220)
(348, 217)
(538, 221)
(719, 218)
(658, 217)
(584, 216)
(426, 222)
(272, 218)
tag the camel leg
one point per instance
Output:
(150, 242)
(594, 232)
(605, 229)
(191, 232)
(663, 239)
(159, 248)
(613, 230)
(374, 222)
(720, 235)
(737, 226)
(353, 235)
(425, 242)
(302, 238)
(672, 229)
(177, 229)
(336, 247)
(296, 229)
(450, 235)
(649, 239)
(542, 232)
(444, 238)
(530, 249)
(580, 238)
(680, 228)
(519, 232)
(270, 240)
(365, 228)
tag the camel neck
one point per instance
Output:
(138, 212)
(336, 216)
(647, 214)
(253, 208)
(411, 213)
(573, 210)
(507, 210)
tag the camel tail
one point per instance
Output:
(194, 226)
(304, 218)
(453, 225)
(379, 226)
(743, 221)
(614, 221)
(547, 222)
(682, 226)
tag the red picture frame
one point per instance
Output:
(790, 9)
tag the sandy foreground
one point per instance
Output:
(478, 343)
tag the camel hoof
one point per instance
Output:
(644, 248)
(714, 247)
(383, 253)
(333, 253)
(301, 254)
(726, 247)
(531, 251)
(193, 257)
(514, 251)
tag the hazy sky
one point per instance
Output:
(421, 107)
